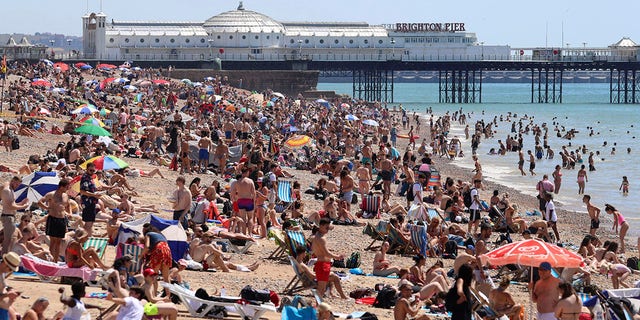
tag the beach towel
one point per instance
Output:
(306, 313)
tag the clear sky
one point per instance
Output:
(515, 23)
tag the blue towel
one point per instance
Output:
(306, 313)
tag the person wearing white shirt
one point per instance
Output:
(130, 307)
(474, 208)
(551, 216)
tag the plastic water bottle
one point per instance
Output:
(223, 292)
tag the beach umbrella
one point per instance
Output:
(160, 82)
(106, 163)
(106, 140)
(59, 90)
(36, 185)
(298, 141)
(62, 66)
(293, 129)
(209, 78)
(104, 112)
(106, 66)
(245, 110)
(130, 88)
(136, 68)
(324, 103)
(47, 62)
(351, 117)
(85, 109)
(93, 122)
(40, 83)
(217, 97)
(140, 118)
(93, 130)
(90, 82)
(74, 184)
(278, 94)
(186, 81)
(86, 67)
(345, 105)
(44, 111)
(531, 253)
(370, 122)
(394, 153)
(196, 84)
(121, 80)
(143, 83)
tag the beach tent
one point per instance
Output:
(171, 229)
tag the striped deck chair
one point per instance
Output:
(371, 206)
(396, 242)
(135, 251)
(434, 213)
(300, 280)
(377, 233)
(98, 244)
(284, 195)
(434, 179)
(279, 238)
(295, 239)
(420, 238)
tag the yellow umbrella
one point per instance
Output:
(298, 141)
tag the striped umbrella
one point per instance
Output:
(298, 141)
(85, 109)
(93, 130)
(74, 185)
(92, 121)
(106, 163)
(36, 185)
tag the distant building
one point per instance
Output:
(22, 49)
(244, 35)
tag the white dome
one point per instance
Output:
(244, 21)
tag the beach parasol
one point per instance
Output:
(40, 83)
(345, 105)
(92, 121)
(44, 111)
(85, 109)
(104, 111)
(370, 122)
(59, 90)
(531, 253)
(324, 103)
(395, 154)
(93, 130)
(47, 62)
(36, 185)
(121, 80)
(351, 117)
(62, 66)
(74, 184)
(106, 66)
(140, 118)
(278, 94)
(298, 141)
(186, 81)
(106, 163)
(144, 83)
(130, 88)
(160, 82)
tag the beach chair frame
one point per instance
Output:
(381, 231)
(371, 206)
(99, 244)
(395, 241)
(300, 281)
(285, 193)
(279, 237)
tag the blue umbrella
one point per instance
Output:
(293, 129)
(394, 153)
(86, 67)
(36, 185)
(351, 117)
(370, 122)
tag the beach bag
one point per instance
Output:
(250, 294)
(632, 263)
(386, 298)
(353, 261)
(15, 143)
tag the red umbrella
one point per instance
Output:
(106, 66)
(531, 253)
(41, 83)
(160, 81)
(63, 66)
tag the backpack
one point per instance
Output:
(15, 143)
(353, 261)
(250, 294)
(632, 263)
(386, 298)
(450, 250)
(466, 197)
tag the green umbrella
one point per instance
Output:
(93, 130)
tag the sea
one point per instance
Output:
(585, 106)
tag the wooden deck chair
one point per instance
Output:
(434, 179)
(284, 194)
(377, 233)
(420, 239)
(199, 308)
(236, 247)
(300, 280)
(295, 239)
(99, 244)
(371, 206)
(279, 238)
(483, 307)
(396, 242)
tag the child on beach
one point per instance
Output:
(624, 186)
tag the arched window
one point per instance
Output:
(230, 37)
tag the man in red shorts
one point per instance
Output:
(319, 249)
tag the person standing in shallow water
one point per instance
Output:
(521, 162)
(582, 179)
(557, 179)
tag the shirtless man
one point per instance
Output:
(366, 153)
(205, 251)
(521, 162)
(9, 207)
(532, 162)
(246, 194)
(386, 172)
(546, 293)
(405, 307)
(182, 204)
(346, 187)
(320, 250)
(159, 135)
(222, 150)
(126, 207)
(229, 129)
(205, 145)
(364, 177)
(113, 225)
(56, 203)
(594, 214)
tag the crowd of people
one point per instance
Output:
(244, 143)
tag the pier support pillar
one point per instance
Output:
(624, 86)
(546, 84)
(460, 86)
(373, 85)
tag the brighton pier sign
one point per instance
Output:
(426, 27)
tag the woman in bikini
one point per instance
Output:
(618, 223)
(381, 266)
(78, 257)
(582, 179)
